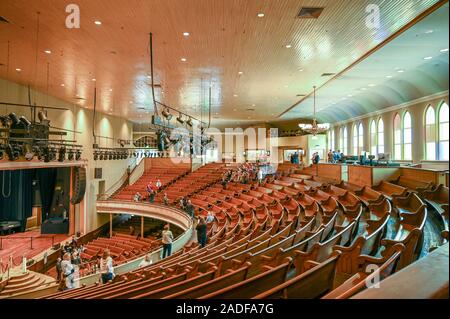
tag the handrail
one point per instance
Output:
(25, 237)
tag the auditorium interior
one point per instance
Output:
(224, 149)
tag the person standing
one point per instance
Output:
(58, 269)
(167, 239)
(67, 271)
(202, 232)
(166, 199)
(106, 267)
(260, 175)
(158, 184)
(190, 209)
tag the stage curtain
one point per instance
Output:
(16, 195)
(47, 180)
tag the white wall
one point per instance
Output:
(77, 119)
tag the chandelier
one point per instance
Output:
(314, 128)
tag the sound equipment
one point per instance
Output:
(98, 172)
(79, 188)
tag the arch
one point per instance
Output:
(443, 120)
(397, 137)
(373, 137)
(360, 138)
(407, 136)
(355, 139)
(430, 133)
(380, 135)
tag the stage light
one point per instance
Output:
(95, 155)
(28, 152)
(52, 154)
(45, 155)
(1, 155)
(70, 155)
(166, 114)
(180, 119)
(14, 119)
(25, 121)
(78, 155)
(62, 154)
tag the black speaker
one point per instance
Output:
(79, 185)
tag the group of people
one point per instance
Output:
(152, 190)
(334, 156)
(68, 265)
(295, 158)
(245, 173)
(315, 158)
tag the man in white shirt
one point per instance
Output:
(167, 239)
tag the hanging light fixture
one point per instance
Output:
(314, 128)
(166, 114)
(180, 119)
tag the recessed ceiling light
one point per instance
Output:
(253, 104)
(350, 95)
(286, 86)
(97, 22)
(48, 51)
(240, 72)
(288, 46)
(363, 89)
(235, 95)
(183, 59)
(18, 70)
(149, 77)
(131, 102)
(235, 110)
(444, 50)
(388, 76)
(186, 34)
(371, 85)
(217, 113)
(301, 70)
(110, 90)
(429, 31)
(63, 84)
(401, 71)
(428, 58)
(94, 80)
(260, 15)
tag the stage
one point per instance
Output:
(28, 244)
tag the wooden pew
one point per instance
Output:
(358, 282)
(253, 286)
(313, 283)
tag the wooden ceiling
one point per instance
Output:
(256, 66)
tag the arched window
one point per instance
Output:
(332, 140)
(397, 137)
(380, 137)
(443, 132)
(373, 138)
(430, 134)
(360, 138)
(345, 141)
(355, 139)
(407, 136)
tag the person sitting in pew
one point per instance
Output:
(147, 261)
(137, 197)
